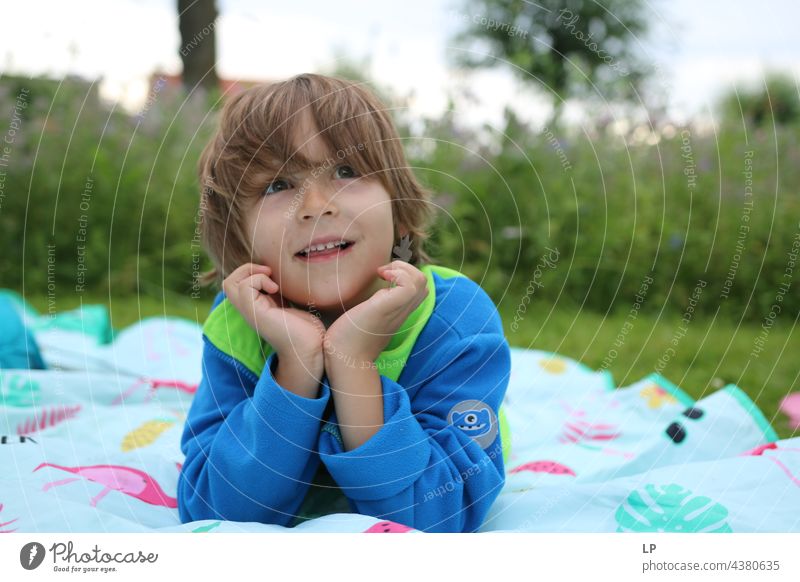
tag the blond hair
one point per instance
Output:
(254, 140)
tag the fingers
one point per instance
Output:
(259, 282)
(396, 277)
(231, 283)
(403, 274)
(402, 266)
(246, 270)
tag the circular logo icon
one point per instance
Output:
(31, 555)
(475, 419)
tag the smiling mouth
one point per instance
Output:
(326, 253)
(472, 427)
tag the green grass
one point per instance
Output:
(712, 353)
(124, 311)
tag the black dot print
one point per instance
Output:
(676, 432)
(693, 413)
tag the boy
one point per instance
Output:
(324, 359)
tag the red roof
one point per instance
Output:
(227, 86)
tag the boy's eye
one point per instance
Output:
(277, 186)
(344, 171)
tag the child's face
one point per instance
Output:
(329, 201)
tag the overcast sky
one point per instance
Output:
(703, 47)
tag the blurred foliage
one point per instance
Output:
(345, 65)
(98, 197)
(568, 48)
(618, 208)
(775, 101)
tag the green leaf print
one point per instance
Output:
(17, 390)
(670, 508)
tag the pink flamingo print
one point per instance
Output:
(127, 480)
(3, 524)
(552, 467)
(180, 349)
(154, 355)
(761, 449)
(790, 406)
(152, 385)
(786, 470)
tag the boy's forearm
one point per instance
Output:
(356, 391)
(300, 376)
(358, 397)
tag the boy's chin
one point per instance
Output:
(335, 300)
(330, 305)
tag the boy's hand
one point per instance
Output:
(364, 331)
(296, 335)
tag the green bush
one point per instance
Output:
(620, 211)
(617, 208)
(106, 199)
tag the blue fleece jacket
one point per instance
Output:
(252, 447)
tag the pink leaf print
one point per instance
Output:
(582, 430)
(47, 418)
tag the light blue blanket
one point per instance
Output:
(91, 444)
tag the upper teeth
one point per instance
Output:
(324, 246)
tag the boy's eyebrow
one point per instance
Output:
(293, 169)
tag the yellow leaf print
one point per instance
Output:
(656, 396)
(145, 434)
(553, 365)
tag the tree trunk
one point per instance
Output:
(198, 50)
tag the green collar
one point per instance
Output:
(231, 334)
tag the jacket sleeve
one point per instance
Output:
(436, 464)
(250, 444)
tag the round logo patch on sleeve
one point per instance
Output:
(475, 419)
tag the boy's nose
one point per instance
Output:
(317, 200)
